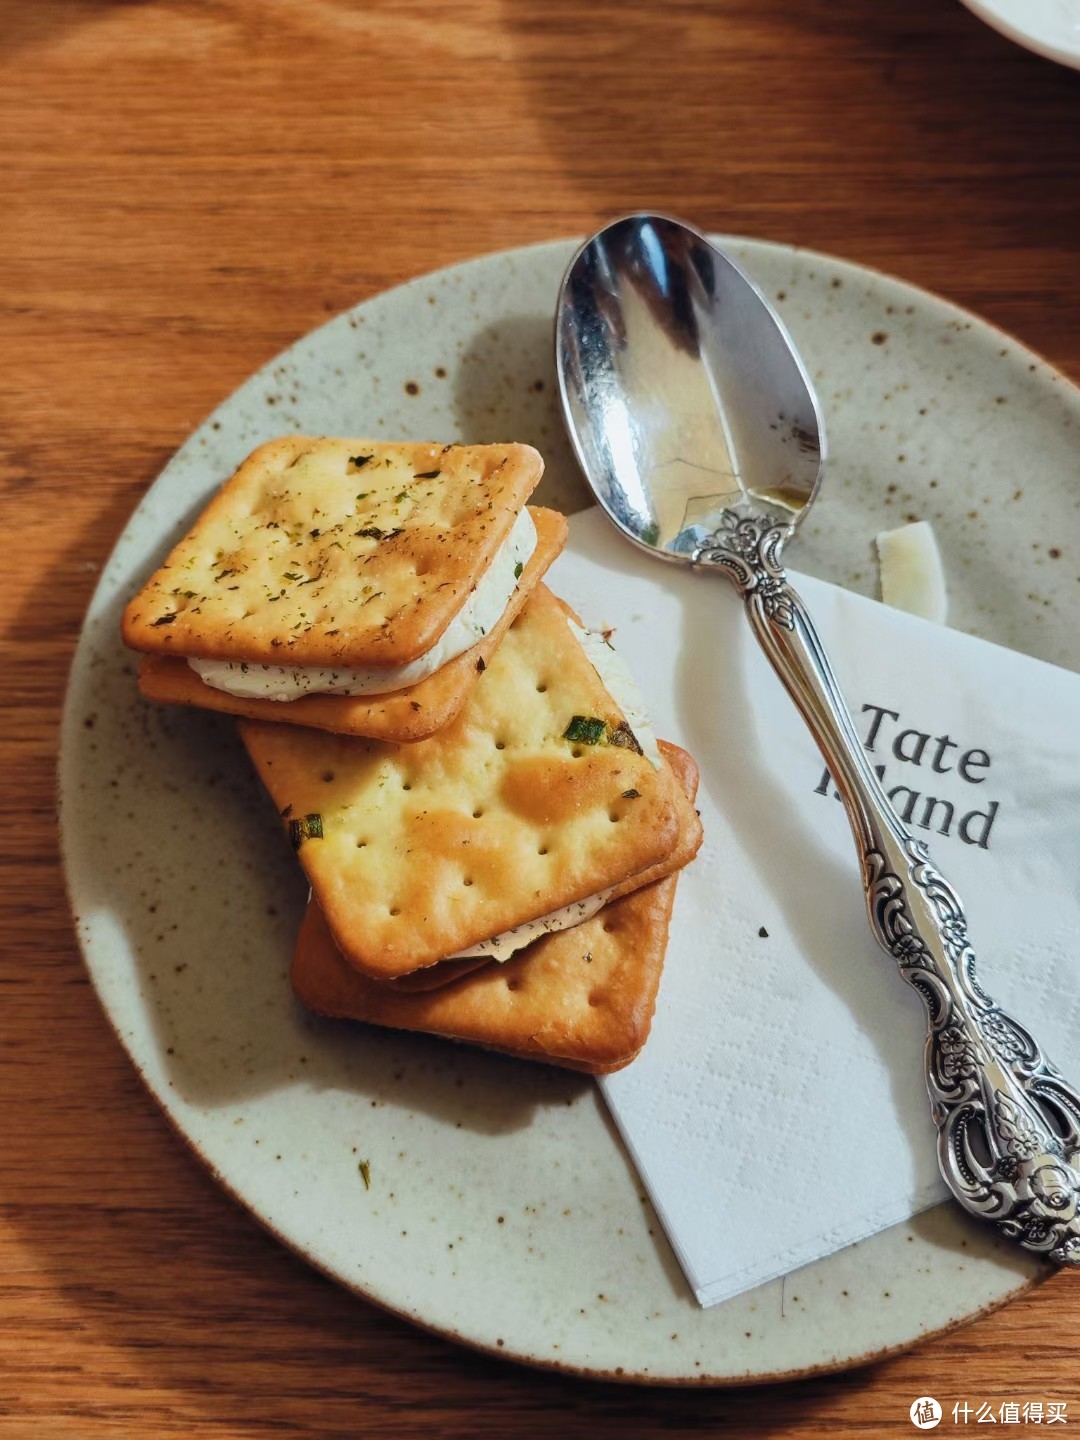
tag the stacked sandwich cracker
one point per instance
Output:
(491, 837)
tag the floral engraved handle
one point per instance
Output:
(748, 547)
(1008, 1122)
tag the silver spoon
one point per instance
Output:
(699, 432)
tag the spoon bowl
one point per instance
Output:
(683, 392)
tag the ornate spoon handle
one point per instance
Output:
(1008, 1122)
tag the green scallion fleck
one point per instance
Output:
(309, 828)
(518, 568)
(585, 730)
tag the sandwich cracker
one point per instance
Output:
(334, 553)
(417, 852)
(406, 715)
(582, 998)
(685, 849)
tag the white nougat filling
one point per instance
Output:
(621, 686)
(472, 622)
(501, 947)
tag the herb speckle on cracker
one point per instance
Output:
(623, 736)
(409, 714)
(427, 555)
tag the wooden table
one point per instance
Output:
(189, 186)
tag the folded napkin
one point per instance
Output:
(778, 1111)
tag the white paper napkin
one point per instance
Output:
(778, 1111)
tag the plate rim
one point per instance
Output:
(1034, 44)
(618, 1376)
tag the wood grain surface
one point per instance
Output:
(188, 185)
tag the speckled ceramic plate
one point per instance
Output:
(499, 1207)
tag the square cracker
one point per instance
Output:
(404, 715)
(684, 851)
(323, 553)
(497, 819)
(583, 998)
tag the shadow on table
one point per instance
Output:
(731, 114)
(30, 27)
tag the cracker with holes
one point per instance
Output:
(582, 998)
(358, 586)
(537, 797)
(405, 715)
(501, 948)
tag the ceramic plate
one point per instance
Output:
(499, 1207)
(1049, 27)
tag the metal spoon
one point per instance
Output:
(698, 429)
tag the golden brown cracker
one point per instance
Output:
(580, 997)
(324, 552)
(404, 715)
(497, 819)
(583, 998)
(687, 846)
